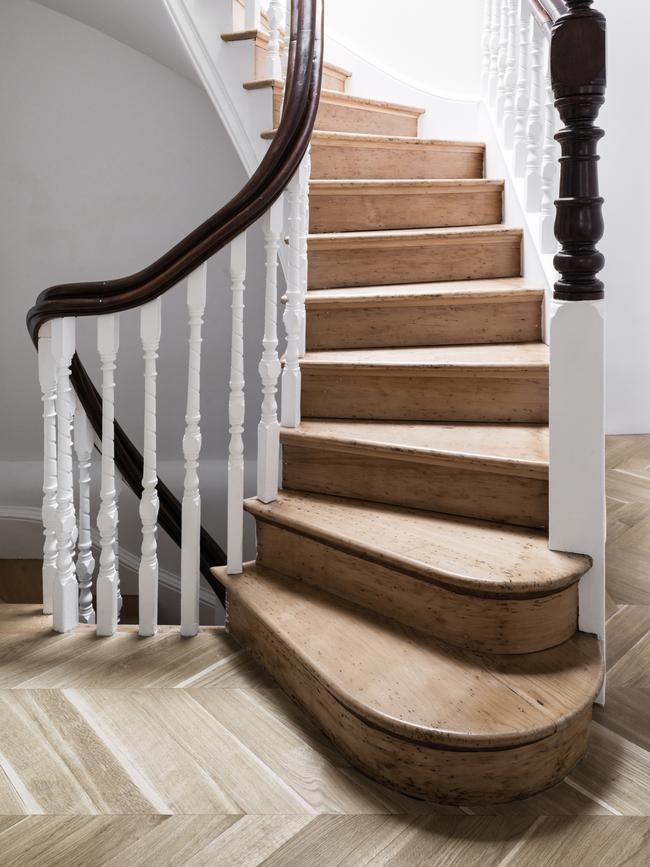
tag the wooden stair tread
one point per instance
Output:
(396, 185)
(521, 449)
(341, 98)
(455, 291)
(418, 688)
(494, 358)
(404, 237)
(377, 138)
(472, 556)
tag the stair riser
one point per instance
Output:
(367, 161)
(335, 266)
(451, 488)
(439, 397)
(332, 78)
(358, 212)
(340, 117)
(396, 324)
(472, 622)
(438, 774)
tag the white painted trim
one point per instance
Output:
(169, 580)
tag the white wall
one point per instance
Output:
(625, 184)
(107, 158)
(433, 42)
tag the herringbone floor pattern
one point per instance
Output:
(168, 751)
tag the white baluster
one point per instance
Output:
(485, 46)
(236, 409)
(549, 169)
(510, 77)
(293, 311)
(108, 340)
(65, 591)
(84, 439)
(273, 53)
(495, 33)
(523, 90)
(268, 431)
(47, 379)
(305, 175)
(191, 516)
(533, 189)
(503, 53)
(150, 328)
(253, 14)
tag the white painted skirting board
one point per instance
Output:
(168, 580)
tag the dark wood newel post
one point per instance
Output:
(578, 72)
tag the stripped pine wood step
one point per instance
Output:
(431, 720)
(424, 314)
(334, 77)
(342, 112)
(474, 584)
(366, 156)
(344, 259)
(489, 383)
(495, 472)
(362, 205)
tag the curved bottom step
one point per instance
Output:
(429, 720)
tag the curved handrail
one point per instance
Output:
(547, 12)
(302, 93)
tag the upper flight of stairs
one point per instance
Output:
(404, 592)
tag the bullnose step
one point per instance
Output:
(475, 584)
(431, 720)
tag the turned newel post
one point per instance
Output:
(578, 77)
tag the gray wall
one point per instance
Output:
(107, 158)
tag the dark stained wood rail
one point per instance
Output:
(267, 184)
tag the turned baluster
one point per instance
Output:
(191, 507)
(495, 32)
(503, 53)
(47, 379)
(268, 431)
(65, 591)
(533, 181)
(294, 309)
(510, 81)
(549, 170)
(107, 579)
(273, 55)
(236, 409)
(150, 328)
(305, 174)
(485, 46)
(83, 444)
(523, 91)
(287, 37)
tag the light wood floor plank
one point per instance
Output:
(627, 712)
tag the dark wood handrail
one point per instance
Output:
(302, 93)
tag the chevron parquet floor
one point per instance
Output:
(168, 751)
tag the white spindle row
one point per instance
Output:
(516, 86)
(68, 587)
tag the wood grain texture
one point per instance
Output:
(471, 384)
(352, 155)
(392, 746)
(362, 205)
(413, 256)
(482, 623)
(403, 465)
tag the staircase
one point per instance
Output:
(404, 592)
